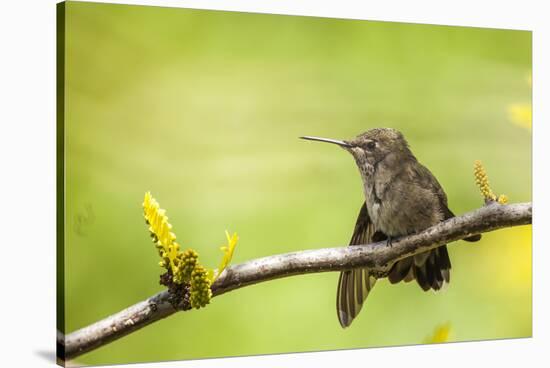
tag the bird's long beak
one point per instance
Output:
(328, 140)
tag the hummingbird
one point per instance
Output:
(402, 197)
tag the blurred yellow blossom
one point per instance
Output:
(440, 334)
(521, 114)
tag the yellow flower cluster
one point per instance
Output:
(482, 181)
(183, 266)
(160, 229)
(200, 287)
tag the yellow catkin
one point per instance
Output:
(160, 229)
(482, 182)
(184, 266)
(200, 292)
(186, 263)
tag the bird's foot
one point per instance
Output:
(389, 241)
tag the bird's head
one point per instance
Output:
(373, 146)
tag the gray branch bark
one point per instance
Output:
(377, 256)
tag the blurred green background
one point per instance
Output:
(204, 108)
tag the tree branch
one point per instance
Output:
(376, 256)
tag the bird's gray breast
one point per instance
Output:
(389, 203)
(373, 202)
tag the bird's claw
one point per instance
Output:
(389, 241)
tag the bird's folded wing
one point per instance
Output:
(354, 285)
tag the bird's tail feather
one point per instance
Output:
(430, 269)
(353, 288)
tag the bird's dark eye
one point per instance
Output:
(371, 145)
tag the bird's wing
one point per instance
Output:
(429, 181)
(430, 269)
(354, 285)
